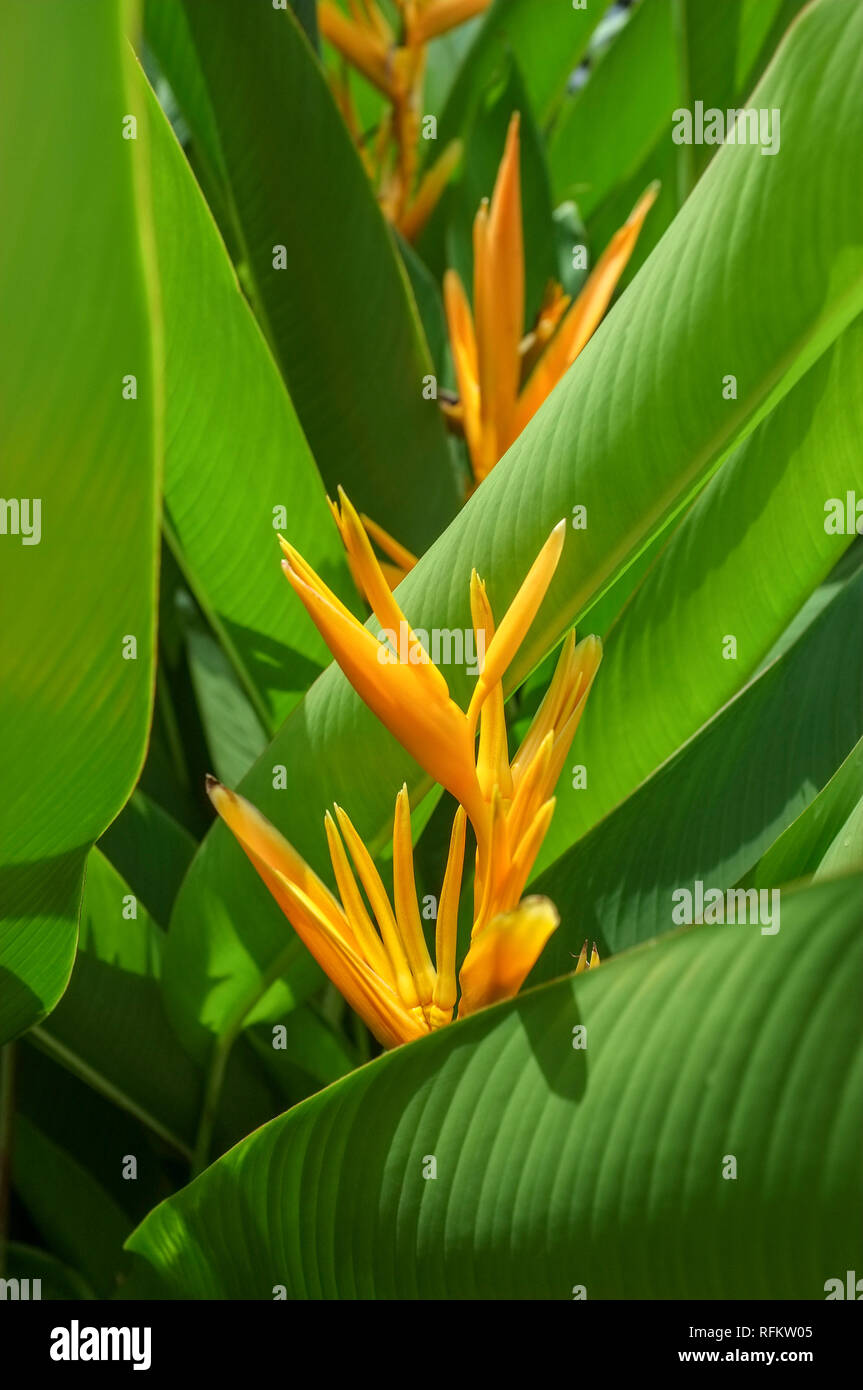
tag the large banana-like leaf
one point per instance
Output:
(638, 422)
(80, 407)
(713, 809)
(614, 137)
(671, 53)
(237, 465)
(605, 131)
(498, 1159)
(802, 848)
(844, 855)
(725, 575)
(355, 375)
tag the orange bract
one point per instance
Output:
(377, 955)
(489, 351)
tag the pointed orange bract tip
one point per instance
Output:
(263, 841)
(506, 261)
(502, 955)
(583, 317)
(518, 617)
(499, 303)
(398, 553)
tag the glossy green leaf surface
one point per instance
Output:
(558, 1166)
(238, 468)
(80, 410)
(547, 52)
(710, 812)
(355, 378)
(721, 592)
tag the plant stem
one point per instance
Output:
(222, 1051)
(212, 1095)
(44, 1042)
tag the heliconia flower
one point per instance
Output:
(395, 64)
(509, 804)
(378, 958)
(410, 697)
(504, 375)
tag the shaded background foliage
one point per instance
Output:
(150, 1034)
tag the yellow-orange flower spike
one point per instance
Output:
(410, 697)
(382, 967)
(436, 17)
(378, 958)
(509, 804)
(489, 347)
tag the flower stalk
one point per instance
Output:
(393, 60)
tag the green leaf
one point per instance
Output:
(712, 810)
(93, 1132)
(556, 1166)
(444, 56)
(806, 844)
(74, 304)
(845, 853)
(602, 144)
(429, 302)
(237, 466)
(307, 1055)
(666, 667)
(307, 14)
(547, 52)
(56, 1280)
(151, 851)
(142, 1070)
(719, 49)
(233, 731)
(286, 149)
(629, 433)
(607, 129)
(80, 1221)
